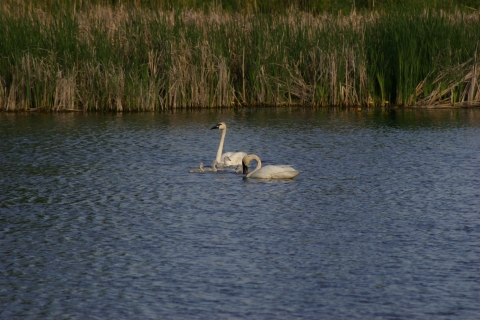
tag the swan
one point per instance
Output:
(212, 169)
(227, 159)
(202, 169)
(199, 169)
(267, 172)
(239, 169)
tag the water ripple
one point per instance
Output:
(99, 217)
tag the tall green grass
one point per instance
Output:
(409, 53)
(97, 57)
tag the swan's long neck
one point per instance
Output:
(259, 164)
(220, 146)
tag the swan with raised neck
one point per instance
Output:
(227, 159)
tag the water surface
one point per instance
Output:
(99, 217)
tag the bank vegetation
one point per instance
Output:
(92, 56)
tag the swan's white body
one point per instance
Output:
(267, 172)
(202, 169)
(227, 159)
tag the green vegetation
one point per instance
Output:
(269, 6)
(157, 55)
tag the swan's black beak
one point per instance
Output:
(217, 126)
(245, 168)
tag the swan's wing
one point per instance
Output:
(226, 156)
(285, 174)
(277, 168)
(276, 172)
(232, 159)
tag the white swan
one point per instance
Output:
(267, 172)
(227, 159)
(202, 169)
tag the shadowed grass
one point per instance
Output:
(411, 50)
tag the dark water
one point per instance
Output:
(100, 219)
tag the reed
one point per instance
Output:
(97, 57)
(411, 54)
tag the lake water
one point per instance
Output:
(100, 219)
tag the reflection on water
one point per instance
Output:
(99, 217)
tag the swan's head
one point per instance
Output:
(220, 125)
(247, 159)
(245, 168)
(245, 162)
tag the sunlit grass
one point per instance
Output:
(115, 58)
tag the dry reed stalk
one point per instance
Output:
(224, 91)
(297, 86)
(153, 89)
(473, 82)
(177, 76)
(64, 98)
(3, 95)
(108, 20)
(86, 77)
(11, 96)
(439, 96)
(333, 74)
(470, 80)
(350, 97)
(115, 79)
